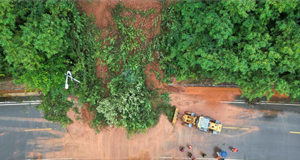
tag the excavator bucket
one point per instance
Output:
(175, 116)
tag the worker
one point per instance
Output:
(190, 147)
(182, 149)
(191, 156)
(203, 155)
(234, 149)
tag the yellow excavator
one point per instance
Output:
(203, 123)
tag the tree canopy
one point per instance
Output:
(255, 44)
(37, 38)
(39, 42)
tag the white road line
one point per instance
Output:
(243, 102)
(16, 104)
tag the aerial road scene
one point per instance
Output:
(150, 80)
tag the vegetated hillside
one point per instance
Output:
(42, 40)
(255, 44)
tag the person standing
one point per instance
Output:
(190, 147)
(182, 149)
(234, 149)
(191, 156)
(203, 155)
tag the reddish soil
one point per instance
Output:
(163, 140)
(102, 12)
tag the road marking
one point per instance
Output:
(262, 102)
(236, 128)
(294, 132)
(12, 129)
(43, 129)
(23, 119)
(16, 104)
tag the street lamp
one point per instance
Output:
(69, 75)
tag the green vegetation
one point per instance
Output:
(4, 69)
(130, 103)
(36, 37)
(255, 44)
(55, 109)
(41, 40)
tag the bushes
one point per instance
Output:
(254, 44)
(4, 66)
(38, 40)
(129, 102)
(55, 108)
(41, 40)
(44, 39)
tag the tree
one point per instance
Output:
(41, 40)
(38, 40)
(254, 44)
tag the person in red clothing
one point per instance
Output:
(191, 156)
(182, 149)
(234, 149)
(190, 147)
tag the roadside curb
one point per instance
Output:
(24, 94)
(17, 96)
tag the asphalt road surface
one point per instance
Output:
(20, 125)
(277, 137)
(271, 132)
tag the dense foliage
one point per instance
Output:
(4, 66)
(255, 44)
(55, 109)
(38, 40)
(41, 40)
(130, 103)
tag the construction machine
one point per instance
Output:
(203, 123)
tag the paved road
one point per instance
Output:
(268, 132)
(20, 127)
(277, 137)
(272, 134)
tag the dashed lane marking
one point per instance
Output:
(42, 129)
(294, 132)
(20, 129)
(23, 119)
